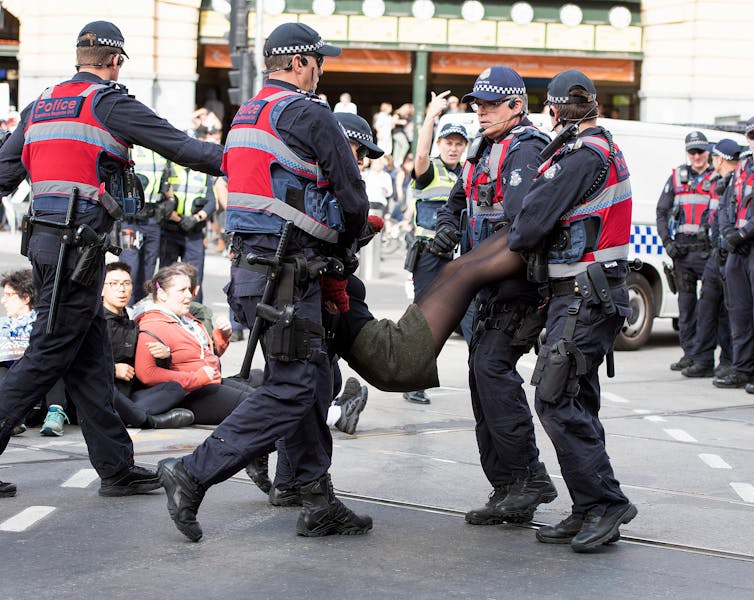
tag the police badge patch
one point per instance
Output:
(552, 171)
(516, 178)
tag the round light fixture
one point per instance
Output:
(472, 11)
(423, 9)
(619, 17)
(274, 7)
(570, 15)
(323, 8)
(373, 8)
(522, 13)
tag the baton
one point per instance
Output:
(65, 241)
(275, 265)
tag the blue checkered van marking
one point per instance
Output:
(645, 240)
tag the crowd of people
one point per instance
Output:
(543, 229)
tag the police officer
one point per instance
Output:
(679, 222)
(287, 160)
(192, 194)
(579, 208)
(432, 180)
(737, 236)
(83, 178)
(712, 323)
(498, 172)
(141, 233)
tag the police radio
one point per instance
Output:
(133, 194)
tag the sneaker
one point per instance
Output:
(53, 424)
(18, 429)
(697, 370)
(133, 480)
(418, 397)
(184, 493)
(681, 364)
(525, 494)
(352, 402)
(487, 515)
(7, 490)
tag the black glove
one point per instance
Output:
(674, 251)
(445, 241)
(735, 242)
(188, 223)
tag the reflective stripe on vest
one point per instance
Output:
(188, 185)
(152, 166)
(693, 200)
(285, 212)
(611, 204)
(744, 188)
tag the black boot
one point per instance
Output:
(323, 514)
(525, 494)
(7, 490)
(133, 480)
(487, 515)
(257, 472)
(178, 417)
(286, 497)
(184, 493)
(565, 531)
(598, 530)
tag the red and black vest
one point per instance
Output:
(63, 143)
(743, 187)
(598, 229)
(692, 197)
(268, 183)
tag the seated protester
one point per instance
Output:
(146, 407)
(19, 299)
(166, 318)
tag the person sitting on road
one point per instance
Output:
(19, 298)
(146, 407)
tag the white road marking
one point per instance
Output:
(614, 398)
(26, 518)
(745, 490)
(81, 479)
(655, 419)
(642, 411)
(679, 435)
(59, 443)
(714, 461)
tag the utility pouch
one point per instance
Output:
(551, 375)
(26, 226)
(601, 288)
(528, 329)
(288, 337)
(670, 277)
(412, 256)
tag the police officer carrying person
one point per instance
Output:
(193, 201)
(432, 180)
(78, 188)
(737, 236)
(679, 223)
(287, 160)
(575, 224)
(508, 316)
(712, 322)
(140, 234)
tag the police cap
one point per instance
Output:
(358, 130)
(106, 34)
(297, 38)
(749, 125)
(494, 83)
(560, 87)
(727, 149)
(452, 129)
(696, 140)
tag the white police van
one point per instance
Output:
(651, 151)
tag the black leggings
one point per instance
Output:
(212, 403)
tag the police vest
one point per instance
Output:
(428, 200)
(597, 229)
(268, 183)
(742, 186)
(152, 167)
(189, 190)
(63, 141)
(483, 185)
(692, 198)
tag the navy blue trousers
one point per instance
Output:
(712, 324)
(573, 422)
(144, 260)
(739, 290)
(688, 270)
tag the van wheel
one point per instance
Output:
(638, 327)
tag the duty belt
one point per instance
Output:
(304, 269)
(569, 287)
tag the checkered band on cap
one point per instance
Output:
(109, 42)
(721, 154)
(357, 135)
(496, 89)
(749, 125)
(557, 99)
(302, 49)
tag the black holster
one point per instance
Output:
(670, 277)
(414, 252)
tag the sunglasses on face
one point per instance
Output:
(696, 152)
(361, 153)
(477, 104)
(319, 58)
